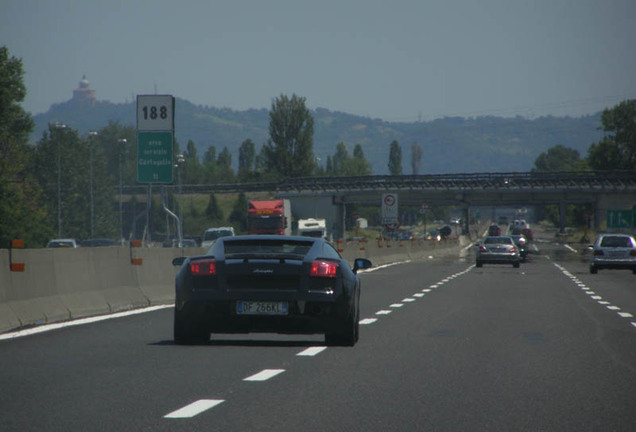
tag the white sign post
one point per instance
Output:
(390, 217)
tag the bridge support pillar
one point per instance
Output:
(562, 217)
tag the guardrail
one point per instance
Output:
(53, 285)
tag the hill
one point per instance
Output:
(450, 144)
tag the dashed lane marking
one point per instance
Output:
(194, 408)
(368, 321)
(264, 375)
(310, 352)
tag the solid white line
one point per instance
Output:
(625, 314)
(310, 352)
(194, 408)
(264, 375)
(383, 312)
(367, 321)
(49, 327)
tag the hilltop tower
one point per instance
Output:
(84, 96)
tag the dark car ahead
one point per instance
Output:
(268, 283)
(494, 230)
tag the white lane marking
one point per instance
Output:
(596, 297)
(604, 302)
(408, 300)
(426, 290)
(590, 292)
(626, 315)
(383, 312)
(584, 288)
(613, 308)
(418, 295)
(397, 305)
(434, 286)
(49, 327)
(194, 408)
(310, 352)
(570, 247)
(264, 375)
(634, 324)
(367, 321)
(383, 266)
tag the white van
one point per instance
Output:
(211, 234)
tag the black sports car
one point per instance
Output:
(268, 283)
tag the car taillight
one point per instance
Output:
(323, 269)
(204, 267)
(598, 253)
(514, 249)
(483, 249)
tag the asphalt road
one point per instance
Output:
(443, 347)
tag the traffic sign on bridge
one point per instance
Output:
(621, 218)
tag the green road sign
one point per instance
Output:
(154, 157)
(620, 218)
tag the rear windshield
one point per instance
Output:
(256, 247)
(498, 240)
(615, 241)
(213, 235)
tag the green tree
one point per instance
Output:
(559, 158)
(395, 159)
(224, 172)
(192, 170)
(209, 165)
(21, 214)
(246, 159)
(238, 217)
(416, 158)
(289, 151)
(213, 211)
(358, 164)
(340, 160)
(617, 149)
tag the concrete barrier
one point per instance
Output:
(62, 284)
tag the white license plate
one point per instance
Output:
(261, 308)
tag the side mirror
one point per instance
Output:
(178, 261)
(361, 263)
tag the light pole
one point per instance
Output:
(57, 127)
(180, 161)
(91, 143)
(121, 142)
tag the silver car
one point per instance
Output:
(613, 251)
(497, 250)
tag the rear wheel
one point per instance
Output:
(349, 332)
(186, 332)
(593, 270)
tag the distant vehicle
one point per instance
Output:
(186, 242)
(312, 228)
(62, 243)
(613, 251)
(98, 242)
(268, 283)
(269, 217)
(497, 250)
(210, 235)
(494, 230)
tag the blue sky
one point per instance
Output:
(398, 60)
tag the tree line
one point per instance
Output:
(67, 184)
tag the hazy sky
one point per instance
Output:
(398, 60)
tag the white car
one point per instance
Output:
(62, 243)
(613, 251)
(211, 234)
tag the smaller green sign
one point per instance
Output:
(154, 157)
(620, 218)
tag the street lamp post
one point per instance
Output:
(57, 127)
(91, 143)
(180, 161)
(121, 142)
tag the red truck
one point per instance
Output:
(269, 217)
